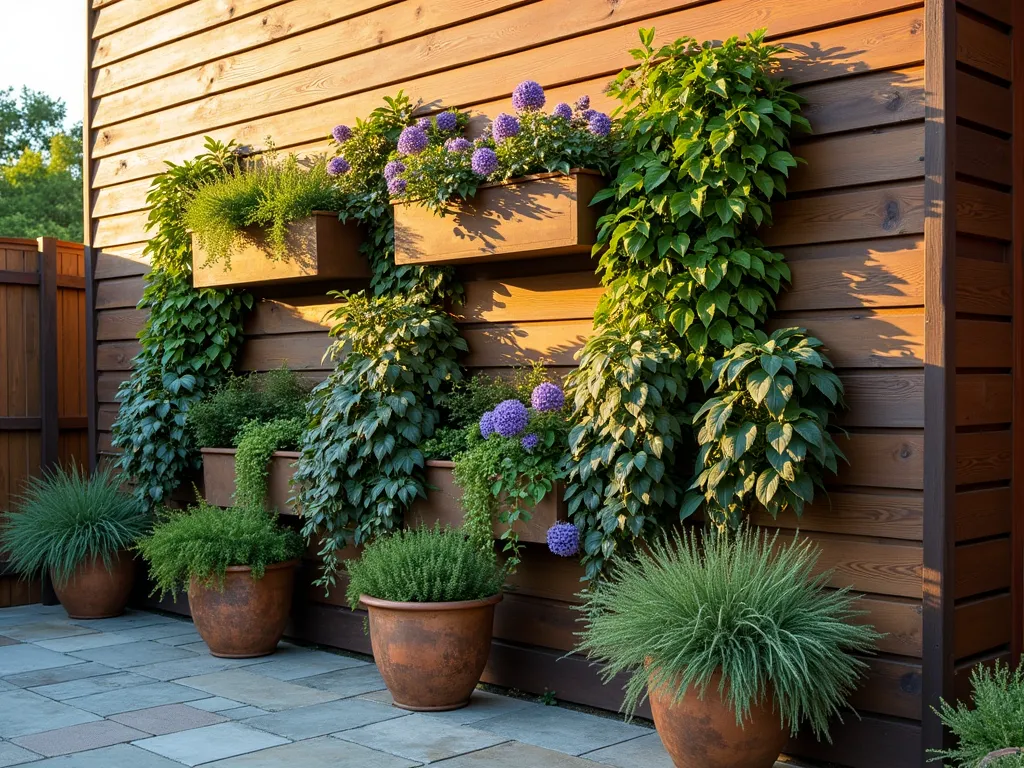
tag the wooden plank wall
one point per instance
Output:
(984, 352)
(165, 74)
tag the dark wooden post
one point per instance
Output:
(48, 382)
(90, 352)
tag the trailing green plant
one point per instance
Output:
(189, 342)
(763, 433)
(749, 607)
(66, 518)
(424, 565)
(993, 720)
(265, 192)
(202, 541)
(257, 442)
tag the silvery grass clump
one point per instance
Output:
(66, 518)
(748, 605)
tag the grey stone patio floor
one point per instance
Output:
(141, 691)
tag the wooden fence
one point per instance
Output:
(43, 397)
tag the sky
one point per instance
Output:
(44, 48)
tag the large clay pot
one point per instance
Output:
(247, 618)
(431, 655)
(702, 733)
(93, 592)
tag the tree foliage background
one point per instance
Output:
(40, 168)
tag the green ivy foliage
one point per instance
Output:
(764, 433)
(189, 342)
(257, 441)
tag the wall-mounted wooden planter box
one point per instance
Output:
(319, 248)
(442, 505)
(543, 215)
(219, 478)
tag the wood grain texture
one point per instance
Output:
(982, 567)
(982, 47)
(984, 156)
(984, 344)
(983, 457)
(983, 398)
(983, 211)
(983, 513)
(998, 10)
(983, 287)
(883, 459)
(983, 102)
(868, 339)
(897, 515)
(981, 625)
(838, 162)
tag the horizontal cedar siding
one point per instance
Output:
(852, 230)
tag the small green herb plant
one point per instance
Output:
(748, 606)
(424, 565)
(67, 518)
(763, 434)
(202, 541)
(257, 442)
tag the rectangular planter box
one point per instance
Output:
(219, 478)
(542, 215)
(319, 248)
(442, 505)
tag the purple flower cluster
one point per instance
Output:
(530, 441)
(505, 126)
(484, 162)
(564, 539)
(510, 418)
(562, 110)
(396, 186)
(583, 103)
(341, 133)
(337, 166)
(528, 95)
(547, 397)
(458, 145)
(599, 123)
(487, 425)
(424, 123)
(447, 121)
(413, 140)
(393, 169)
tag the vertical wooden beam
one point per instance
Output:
(940, 316)
(1017, 270)
(90, 257)
(48, 400)
(90, 354)
(90, 22)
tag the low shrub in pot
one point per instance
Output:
(734, 640)
(430, 593)
(79, 530)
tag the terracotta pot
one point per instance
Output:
(93, 592)
(431, 655)
(248, 617)
(702, 733)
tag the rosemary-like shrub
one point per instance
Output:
(748, 606)
(424, 565)
(66, 518)
(256, 443)
(202, 541)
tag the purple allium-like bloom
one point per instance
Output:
(505, 127)
(393, 169)
(396, 186)
(510, 418)
(412, 141)
(447, 121)
(338, 166)
(458, 145)
(582, 103)
(341, 133)
(424, 123)
(530, 441)
(487, 425)
(528, 95)
(599, 124)
(564, 539)
(547, 397)
(484, 162)
(562, 110)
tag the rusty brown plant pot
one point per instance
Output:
(247, 618)
(93, 592)
(703, 733)
(431, 655)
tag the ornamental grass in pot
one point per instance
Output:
(238, 567)
(734, 641)
(430, 594)
(79, 529)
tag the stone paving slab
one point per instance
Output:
(53, 675)
(293, 662)
(128, 620)
(79, 738)
(171, 718)
(4, 640)
(647, 751)
(136, 697)
(215, 742)
(163, 631)
(11, 754)
(118, 756)
(243, 713)
(560, 729)
(215, 704)
(482, 706)
(91, 685)
(515, 755)
(193, 665)
(421, 738)
(28, 658)
(135, 654)
(25, 712)
(35, 631)
(316, 753)
(85, 642)
(183, 639)
(346, 682)
(257, 691)
(322, 719)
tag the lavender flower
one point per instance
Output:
(564, 539)
(424, 123)
(562, 110)
(412, 141)
(528, 95)
(396, 186)
(338, 166)
(599, 124)
(341, 133)
(530, 441)
(458, 145)
(393, 169)
(447, 121)
(582, 103)
(510, 418)
(484, 162)
(505, 127)
(547, 397)
(487, 425)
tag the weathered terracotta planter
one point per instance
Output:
(702, 733)
(443, 506)
(219, 478)
(431, 655)
(319, 247)
(248, 617)
(545, 214)
(93, 592)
